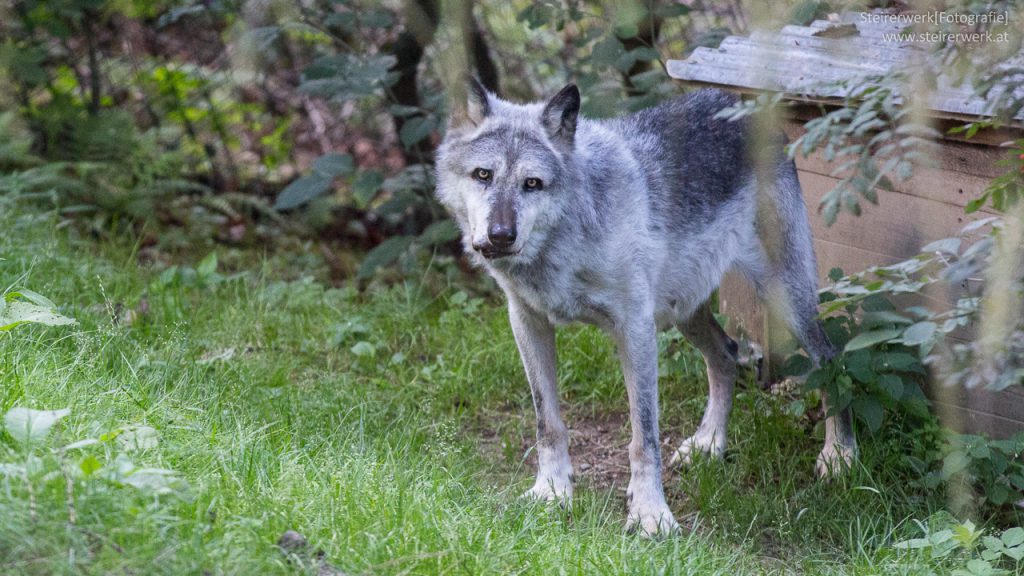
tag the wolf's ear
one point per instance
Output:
(477, 105)
(559, 116)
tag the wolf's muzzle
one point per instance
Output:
(500, 240)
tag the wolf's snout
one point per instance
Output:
(501, 236)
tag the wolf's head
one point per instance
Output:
(505, 171)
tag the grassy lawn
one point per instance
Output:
(390, 427)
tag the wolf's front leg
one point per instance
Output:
(535, 337)
(638, 350)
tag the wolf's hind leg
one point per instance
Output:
(788, 280)
(719, 350)
(535, 337)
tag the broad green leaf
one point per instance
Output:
(81, 444)
(954, 462)
(415, 129)
(899, 361)
(796, 365)
(866, 339)
(333, 165)
(376, 18)
(26, 425)
(344, 21)
(33, 297)
(158, 480)
(992, 543)
(607, 52)
(919, 333)
(302, 191)
(138, 438)
(348, 76)
(366, 187)
(672, 10)
(89, 465)
(439, 233)
(384, 254)
(946, 245)
(18, 312)
(997, 494)
(1013, 537)
(912, 544)
(1017, 553)
(363, 348)
(208, 265)
(869, 410)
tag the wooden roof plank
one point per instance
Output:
(808, 67)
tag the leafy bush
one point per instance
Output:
(966, 549)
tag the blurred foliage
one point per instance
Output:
(214, 118)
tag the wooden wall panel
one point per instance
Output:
(926, 208)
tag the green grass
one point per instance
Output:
(387, 427)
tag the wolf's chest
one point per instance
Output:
(564, 296)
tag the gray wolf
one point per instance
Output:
(629, 224)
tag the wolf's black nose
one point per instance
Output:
(501, 236)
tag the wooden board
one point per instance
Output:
(946, 180)
(884, 234)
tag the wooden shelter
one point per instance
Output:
(805, 63)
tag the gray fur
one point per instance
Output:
(638, 219)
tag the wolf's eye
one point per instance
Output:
(482, 174)
(533, 184)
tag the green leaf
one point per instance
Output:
(858, 365)
(33, 297)
(796, 365)
(672, 10)
(415, 129)
(366, 187)
(138, 438)
(1017, 553)
(869, 410)
(975, 204)
(376, 18)
(344, 21)
(898, 361)
(866, 339)
(384, 254)
(892, 384)
(363, 348)
(912, 544)
(89, 465)
(997, 494)
(27, 426)
(333, 165)
(607, 52)
(992, 543)
(946, 245)
(955, 462)
(439, 233)
(17, 313)
(302, 191)
(347, 76)
(919, 333)
(80, 444)
(1013, 537)
(208, 265)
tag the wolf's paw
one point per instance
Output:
(551, 490)
(651, 519)
(707, 442)
(834, 460)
